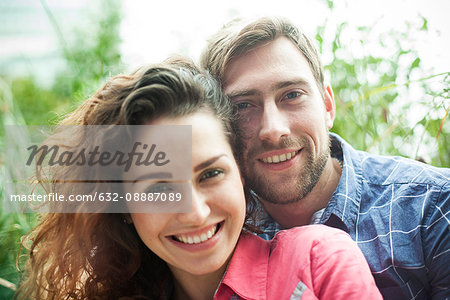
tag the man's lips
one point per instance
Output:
(278, 156)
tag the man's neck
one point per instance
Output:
(300, 212)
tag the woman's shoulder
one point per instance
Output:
(312, 241)
(324, 260)
(310, 234)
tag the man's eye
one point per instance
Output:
(293, 95)
(211, 174)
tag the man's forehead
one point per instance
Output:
(268, 66)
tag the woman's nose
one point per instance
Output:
(200, 210)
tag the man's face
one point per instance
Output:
(283, 123)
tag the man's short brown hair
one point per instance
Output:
(237, 38)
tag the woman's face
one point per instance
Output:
(201, 241)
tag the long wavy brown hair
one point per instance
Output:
(100, 255)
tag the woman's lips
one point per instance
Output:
(197, 237)
(199, 240)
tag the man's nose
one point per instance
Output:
(200, 210)
(274, 124)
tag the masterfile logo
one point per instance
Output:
(89, 168)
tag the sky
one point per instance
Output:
(153, 30)
(188, 26)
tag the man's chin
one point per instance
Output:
(278, 196)
(283, 192)
(284, 203)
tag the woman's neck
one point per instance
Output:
(189, 286)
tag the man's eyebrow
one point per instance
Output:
(276, 86)
(156, 175)
(208, 162)
(287, 83)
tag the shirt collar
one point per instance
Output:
(342, 209)
(247, 271)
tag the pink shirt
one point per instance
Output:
(308, 262)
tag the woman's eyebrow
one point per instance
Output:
(242, 93)
(155, 175)
(208, 162)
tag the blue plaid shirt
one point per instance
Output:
(398, 212)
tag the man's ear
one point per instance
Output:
(330, 106)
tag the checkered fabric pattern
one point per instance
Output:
(398, 212)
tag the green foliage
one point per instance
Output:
(385, 103)
(94, 53)
(12, 228)
(91, 55)
(38, 105)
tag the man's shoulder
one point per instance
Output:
(387, 170)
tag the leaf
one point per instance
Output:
(330, 4)
(424, 25)
(415, 63)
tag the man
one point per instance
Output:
(396, 209)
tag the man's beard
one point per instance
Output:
(296, 188)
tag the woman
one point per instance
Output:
(200, 254)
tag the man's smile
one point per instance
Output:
(277, 158)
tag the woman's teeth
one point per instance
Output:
(196, 239)
(279, 158)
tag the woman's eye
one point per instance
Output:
(211, 174)
(242, 105)
(160, 187)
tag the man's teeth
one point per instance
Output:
(196, 239)
(278, 158)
